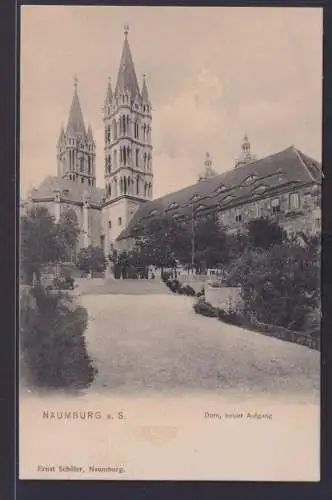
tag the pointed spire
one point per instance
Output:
(109, 93)
(75, 125)
(145, 95)
(62, 134)
(127, 80)
(89, 134)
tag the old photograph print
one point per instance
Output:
(170, 239)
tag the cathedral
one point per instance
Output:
(285, 187)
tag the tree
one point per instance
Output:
(91, 259)
(44, 241)
(263, 233)
(39, 243)
(68, 233)
(210, 242)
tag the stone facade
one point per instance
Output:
(285, 187)
(294, 210)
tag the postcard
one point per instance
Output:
(170, 225)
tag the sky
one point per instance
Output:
(213, 74)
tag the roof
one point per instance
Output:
(70, 190)
(127, 80)
(145, 94)
(284, 169)
(76, 125)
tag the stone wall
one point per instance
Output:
(306, 217)
(226, 298)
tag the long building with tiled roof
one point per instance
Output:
(284, 186)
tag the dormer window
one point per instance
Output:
(260, 189)
(173, 205)
(195, 197)
(221, 188)
(250, 179)
(153, 212)
(228, 199)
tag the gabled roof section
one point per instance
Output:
(127, 80)
(75, 125)
(71, 190)
(276, 172)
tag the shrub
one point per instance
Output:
(188, 290)
(279, 285)
(230, 317)
(205, 309)
(52, 343)
(91, 259)
(165, 276)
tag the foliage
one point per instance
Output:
(280, 285)
(68, 232)
(211, 249)
(264, 233)
(205, 309)
(91, 259)
(44, 241)
(52, 343)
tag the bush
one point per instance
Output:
(280, 285)
(188, 290)
(230, 317)
(165, 276)
(91, 259)
(205, 309)
(52, 343)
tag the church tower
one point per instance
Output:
(128, 150)
(76, 149)
(246, 155)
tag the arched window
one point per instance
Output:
(116, 186)
(136, 130)
(124, 155)
(82, 164)
(145, 189)
(115, 132)
(115, 158)
(137, 184)
(137, 157)
(128, 154)
(128, 185)
(125, 185)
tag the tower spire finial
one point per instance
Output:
(126, 30)
(75, 82)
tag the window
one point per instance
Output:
(260, 189)
(109, 224)
(316, 200)
(275, 205)
(82, 180)
(119, 221)
(137, 157)
(221, 188)
(257, 210)
(294, 201)
(250, 179)
(238, 217)
(228, 199)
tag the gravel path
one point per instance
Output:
(156, 342)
